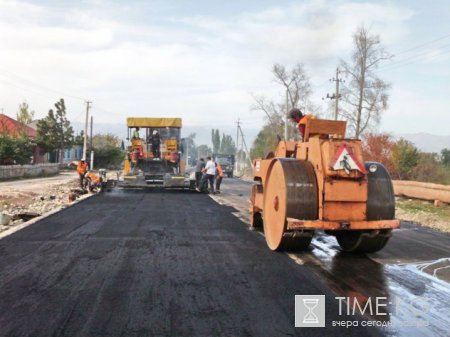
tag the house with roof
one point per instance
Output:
(15, 129)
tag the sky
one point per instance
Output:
(203, 60)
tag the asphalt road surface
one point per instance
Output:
(411, 274)
(153, 264)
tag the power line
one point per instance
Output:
(39, 86)
(423, 44)
(421, 58)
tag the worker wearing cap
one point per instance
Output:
(296, 116)
(82, 168)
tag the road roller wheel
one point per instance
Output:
(297, 243)
(257, 221)
(380, 206)
(290, 191)
(380, 198)
(363, 241)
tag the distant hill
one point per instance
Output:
(426, 142)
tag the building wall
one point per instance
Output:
(24, 171)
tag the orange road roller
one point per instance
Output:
(322, 183)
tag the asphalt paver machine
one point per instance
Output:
(154, 154)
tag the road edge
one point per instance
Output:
(17, 228)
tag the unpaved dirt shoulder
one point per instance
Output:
(38, 196)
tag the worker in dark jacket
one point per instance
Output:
(155, 140)
(199, 171)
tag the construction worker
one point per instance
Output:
(199, 171)
(219, 177)
(94, 181)
(82, 168)
(155, 140)
(209, 173)
(136, 134)
(297, 117)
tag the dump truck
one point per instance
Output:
(154, 154)
(322, 183)
(226, 161)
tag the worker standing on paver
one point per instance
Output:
(219, 176)
(199, 171)
(210, 172)
(82, 168)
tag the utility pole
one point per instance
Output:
(287, 118)
(187, 152)
(336, 96)
(237, 145)
(90, 145)
(88, 103)
(244, 145)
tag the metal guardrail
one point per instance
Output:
(419, 190)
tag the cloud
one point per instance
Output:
(200, 67)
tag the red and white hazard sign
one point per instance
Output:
(344, 159)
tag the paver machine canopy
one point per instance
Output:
(154, 153)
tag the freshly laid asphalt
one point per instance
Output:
(159, 263)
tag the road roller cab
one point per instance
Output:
(322, 183)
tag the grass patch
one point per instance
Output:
(420, 206)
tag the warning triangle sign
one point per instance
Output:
(344, 159)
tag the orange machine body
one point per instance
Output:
(342, 180)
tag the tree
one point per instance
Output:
(405, 157)
(296, 85)
(54, 131)
(215, 139)
(24, 116)
(203, 151)
(79, 138)
(429, 169)
(15, 150)
(365, 97)
(445, 157)
(378, 148)
(189, 147)
(107, 150)
(227, 145)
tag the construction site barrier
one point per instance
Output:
(425, 191)
(27, 171)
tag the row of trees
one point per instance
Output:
(54, 134)
(363, 97)
(222, 145)
(404, 161)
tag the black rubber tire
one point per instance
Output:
(363, 241)
(297, 243)
(257, 221)
(380, 198)
(380, 206)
